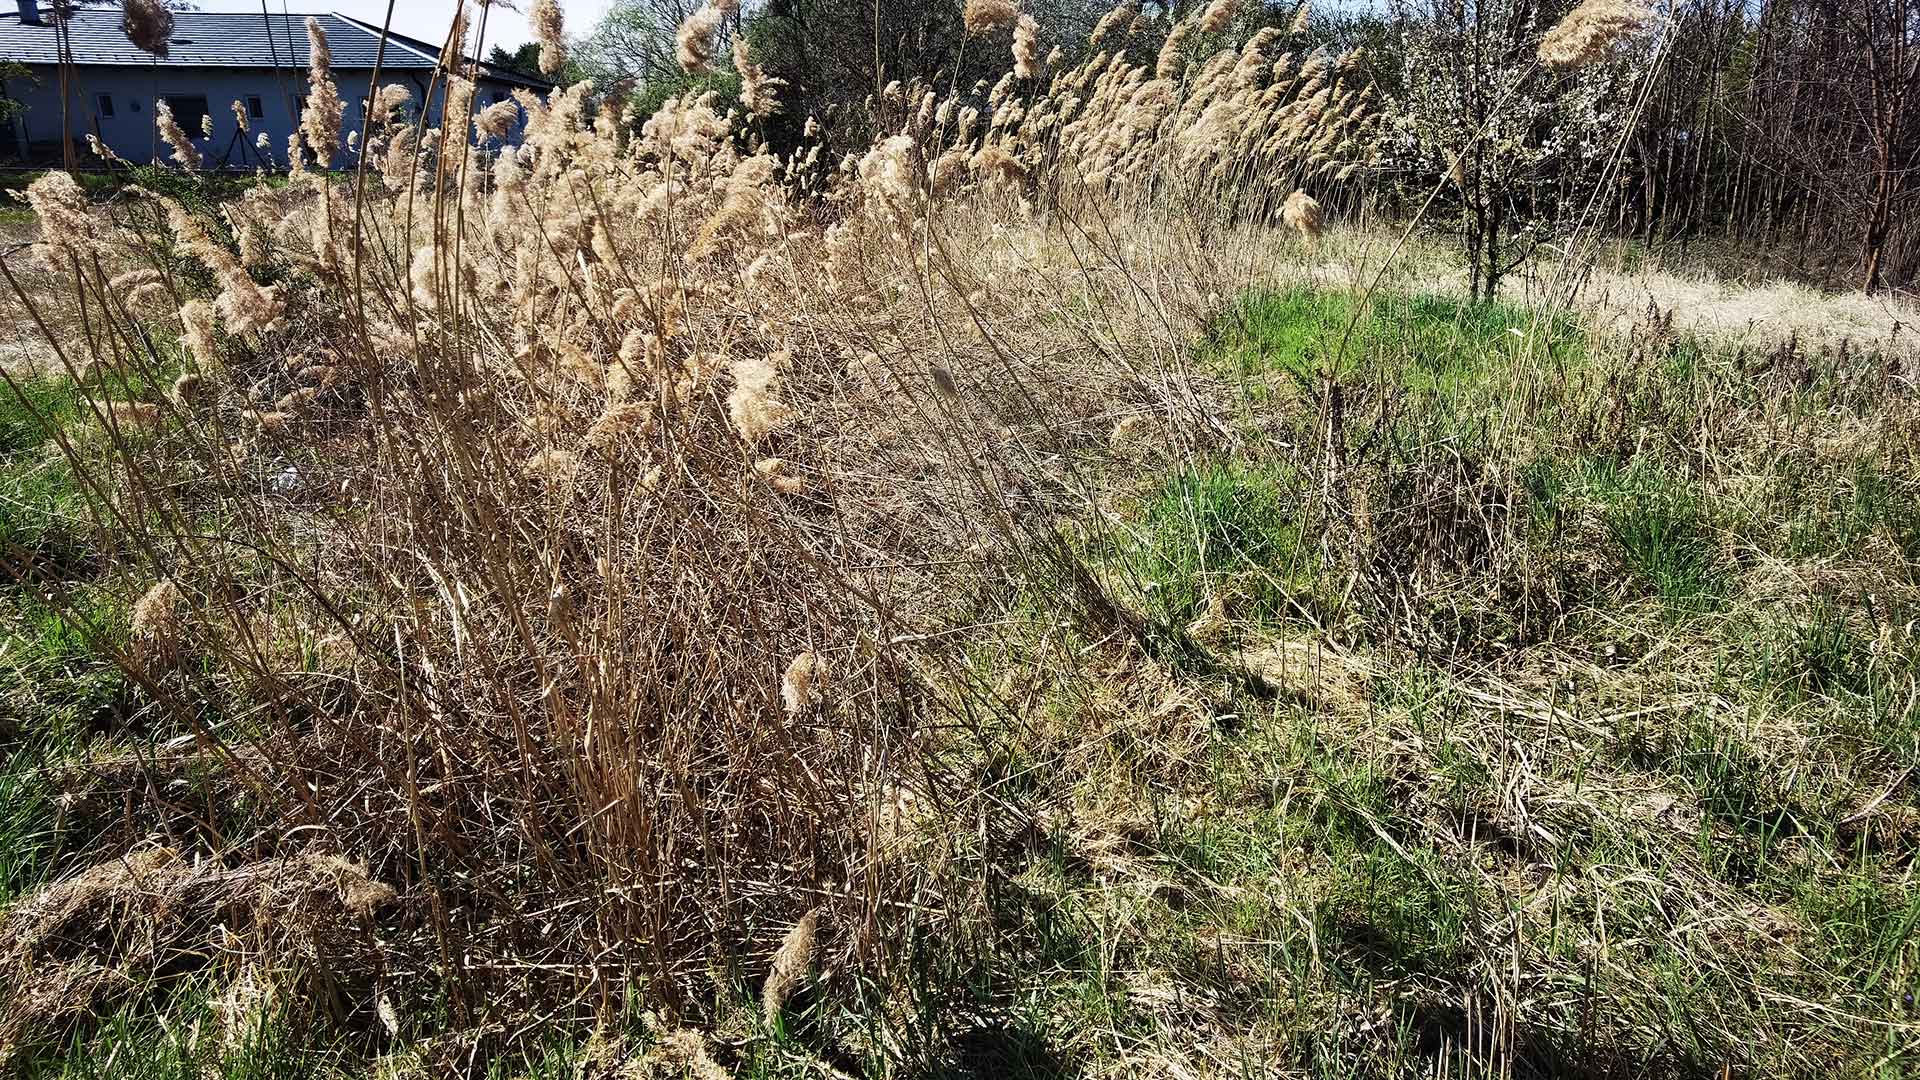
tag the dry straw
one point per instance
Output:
(604, 333)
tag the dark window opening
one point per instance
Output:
(497, 97)
(189, 111)
(106, 104)
(134, 105)
(256, 109)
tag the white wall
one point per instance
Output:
(130, 131)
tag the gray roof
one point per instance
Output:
(225, 39)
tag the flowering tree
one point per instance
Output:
(1514, 132)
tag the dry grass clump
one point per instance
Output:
(75, 947)
(594, 502)
(1303, 215)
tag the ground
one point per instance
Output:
(1497, 690)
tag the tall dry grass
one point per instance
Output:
(569, 533)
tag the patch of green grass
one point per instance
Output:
(1436, 345)
(23, 407)
(1655, 521)
(1820, 652)
(28, 812)
(1294, 330)
(1870, 930)
(1833, 511)
(1224, 527)
(188, 1042)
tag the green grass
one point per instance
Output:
(54, 682)
(28, 813)
(1669, 775)
(189, 1042)
(1223, 527)
(1435, 345)
(1667, 830)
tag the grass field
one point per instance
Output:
(1502, 696)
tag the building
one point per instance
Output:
(214, 59)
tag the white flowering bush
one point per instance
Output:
(1516, 149)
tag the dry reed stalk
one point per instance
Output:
(593, 441)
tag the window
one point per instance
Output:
(496, 97)
(106, 104)
(256, 109)
(189, 111)
(299, 106)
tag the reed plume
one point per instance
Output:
(320, 121)
(550, 29)
(1026, 48)
(175, 136)
(148, 24)
(1589, 31)
(986, 16)
(790, 965)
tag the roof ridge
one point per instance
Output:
(390, 34)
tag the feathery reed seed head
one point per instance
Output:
(549, 27)
(320, 119)
(176, 136)
(1590, 30)
(800, 686)
(791, 963)
(1302, 213)
(1026, 47)
(986, 16)
(694, 41)
(148, 24)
